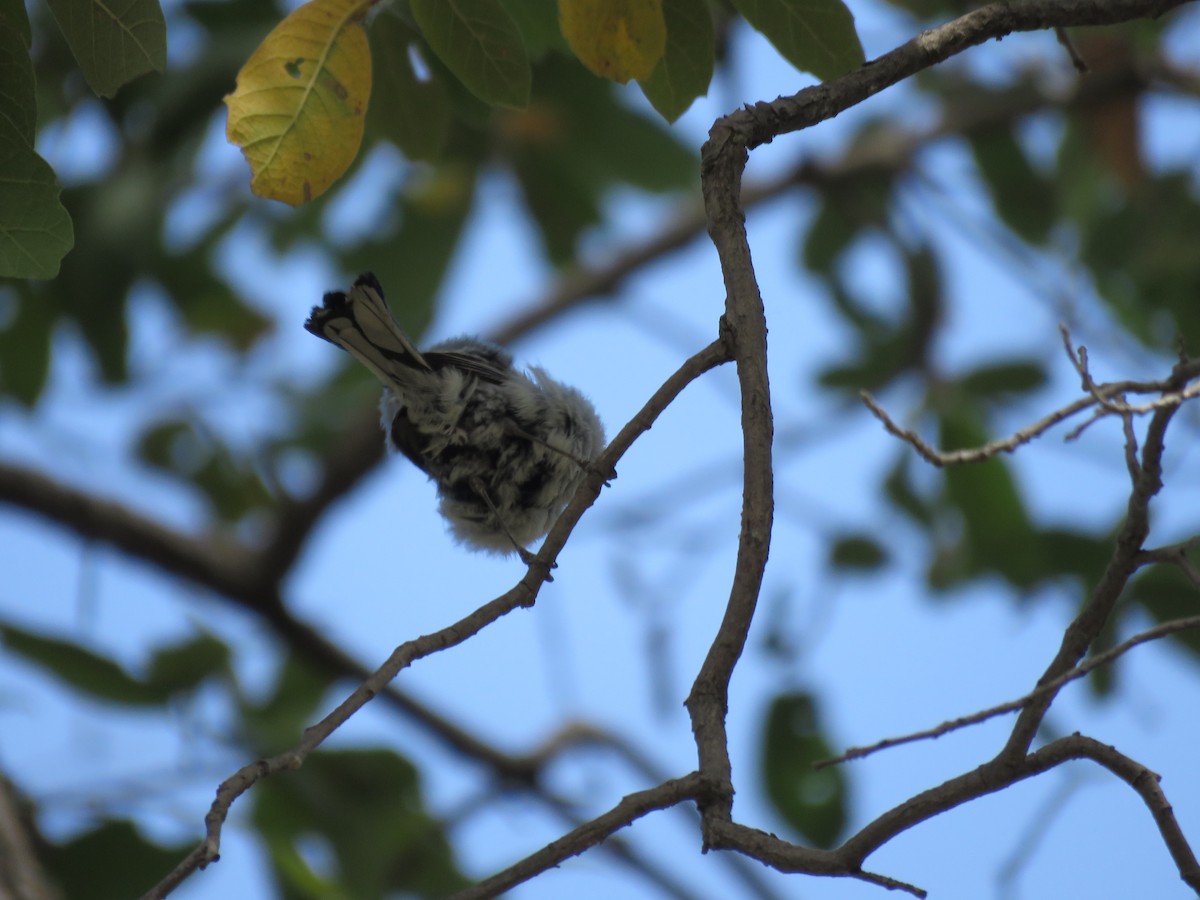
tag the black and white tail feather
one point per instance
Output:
(506, 449)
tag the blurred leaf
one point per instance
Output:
(1165, 592)
(367, 807)
(925, 296)
(812, 801)
(997, 533)
(161, 446)
(1024, 198)
(25, 349)
(301, 101)
(848, 208)
(292, 706)
(35, 230)
(1143, 255)
(114, 42)
(182, 448)
(89, 673)
(18, 101)
(686, 68)
(887, 351)
(111, 862)
(208, 305)
(815, 36)
(1102, 680)
(232, 17)
(479, 42)
(616, 39)
(575, 143)
(412, 113)
(233, 491)
(411, 261)
(903, 494)
(999, 380)
(858, 552)
(15, 21)
(1076, 554)
(537, 20)
(186, 665)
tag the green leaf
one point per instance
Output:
(113, 42)
(35, 230)
(999, 380)
(25, 349)
(997, 533)
(185, 666)
(858, 552)
(189, 451)
(208, 305)
(1165, 592)
(888, 351)
(1143, 256)
(15, 21)
(849, 207)
(903, 494)
(686, 68)
(280, 718)
(815, 36)
(367, 807)
(1075, 553)
(479, 42)
(1024, 198)
(129, 863)
(18, 101)
(411, 113)
(537, 21)
(812, 801)
(576, 142)
(89, 673)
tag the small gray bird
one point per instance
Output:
(506, 449)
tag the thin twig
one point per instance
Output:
(1171, 397)
(1077, 61)
(1175, 555)
(1094, 662)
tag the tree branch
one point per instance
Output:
(523, 594)
(723, 161)
(587, 835)
(1109, 397)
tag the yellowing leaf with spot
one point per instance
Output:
(301, 101)
(616, 39)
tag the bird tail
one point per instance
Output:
(361, 324)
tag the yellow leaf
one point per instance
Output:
(301, 101)
(616, 39)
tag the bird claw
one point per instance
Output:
(532, 559)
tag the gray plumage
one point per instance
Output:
(506, 449)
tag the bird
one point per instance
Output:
(505, 448)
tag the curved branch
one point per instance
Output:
(587, 835)
(723, 161)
